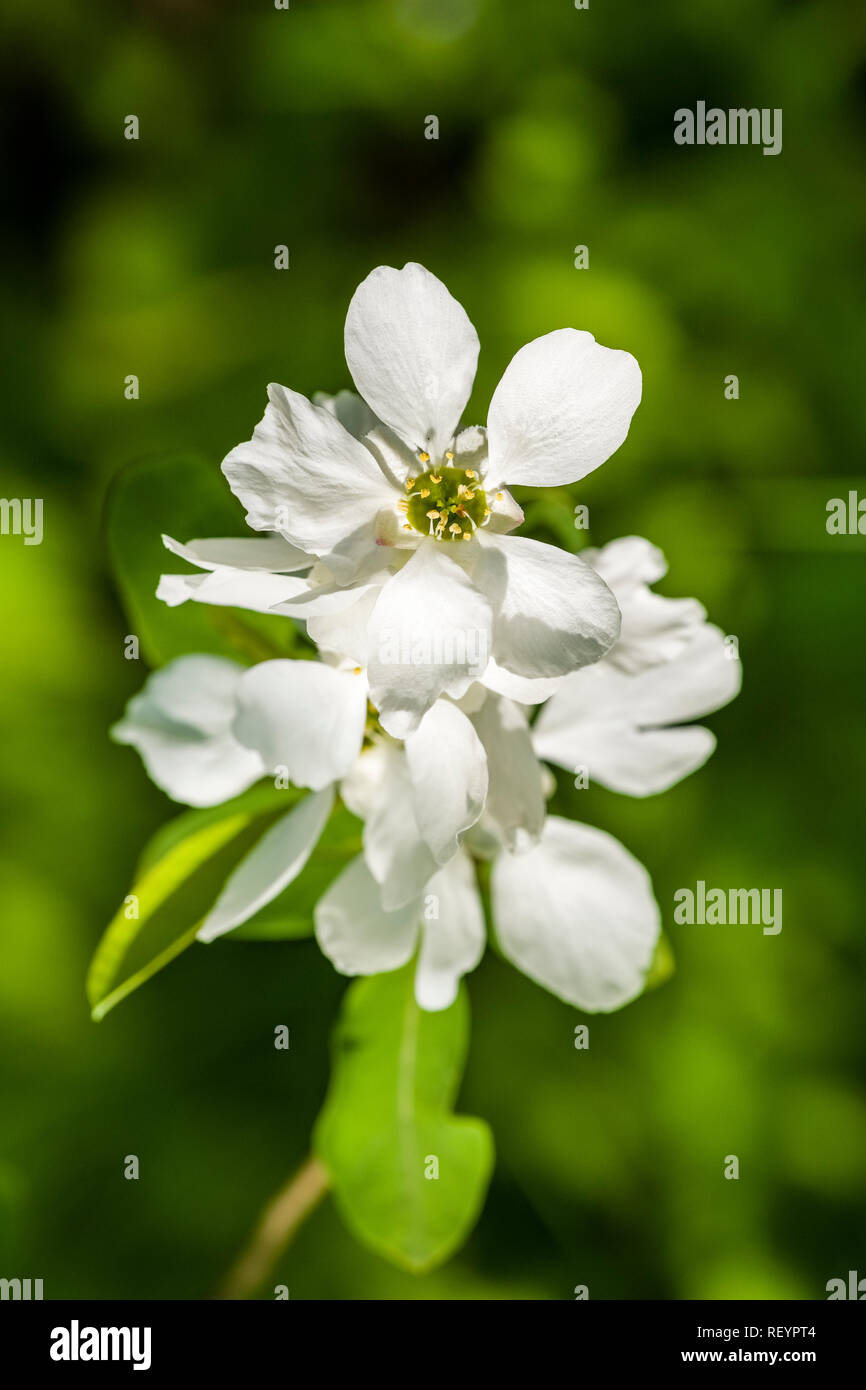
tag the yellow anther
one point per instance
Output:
(467, 535)
(499, 496)
(455, 528)
(425, 492)
(486, 512)
(407, 527)
(410, 482)
(470, 473)
(449, 453)
(434, 479)
(357, 671)
(425, 458)
(434, 514)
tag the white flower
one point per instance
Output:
(207, 729)
(181, 724)
(654, 628)
(573, 910)
(576, 913)
(463, 766)
(399, 508)
(625, 721)
(238, 573)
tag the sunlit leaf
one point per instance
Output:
(179, 877)
(408, 1175)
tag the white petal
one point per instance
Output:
(643, 762)
(577, 915)
(345, 632)
(706, 675)
(302, 716)
(354, 930)
(623, 757)
(327, 600)
(379, 790)
(397, 461)
(563, 406)
(552, 612)
(526, 690)
(654, 628)
(271, 553)
(303, 474)
(515, 799)
(627, 563)
(470, 449)
(180, 723)
(412, 353)
(260, 592)
(448, 769)
(198, 690)
(452, 939)
(273, 862)
(613, 723)
(353, 413)
(429, 636)
(505, 514)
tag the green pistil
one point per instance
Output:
(458, 500)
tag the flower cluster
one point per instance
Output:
(452, 660)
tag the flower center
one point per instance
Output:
(447, 503)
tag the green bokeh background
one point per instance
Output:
(306, 127)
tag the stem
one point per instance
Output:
(276, 1226)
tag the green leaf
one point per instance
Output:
(289, 916)
(189, 499)
(663, 964)
(178, 879)
(388, 1116)
(262, 799)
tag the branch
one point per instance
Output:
(276, 1226)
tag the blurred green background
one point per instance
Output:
(305, 127)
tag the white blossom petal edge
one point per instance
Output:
(577, 915)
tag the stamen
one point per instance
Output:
(410, 482)
(470, 473)
(443, 504)
(425, 458)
